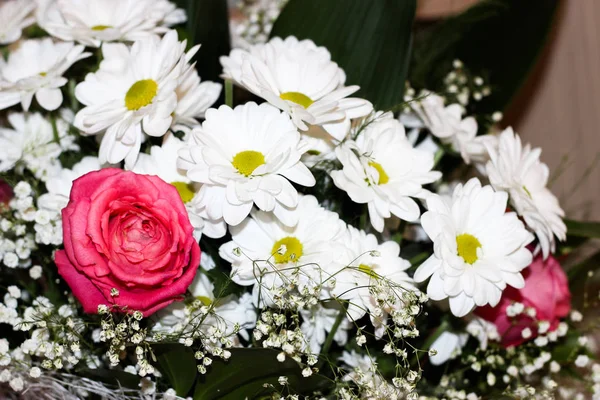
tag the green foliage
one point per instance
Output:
(370, 40)
(114, 377)
(178, 365)
(567, 349)
(247, 372)
(501, 38)
(583, 229)
(208, 25)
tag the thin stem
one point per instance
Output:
(330, 336)
(438, 156)
(229, 92)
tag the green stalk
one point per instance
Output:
(329, 339)
(229, 92)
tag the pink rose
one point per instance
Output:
(546, 291)
(127, 232)
(6, 193)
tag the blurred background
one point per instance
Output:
(558, 108)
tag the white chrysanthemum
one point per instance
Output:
(162, 162)
(442, 121)
(321, 147)
(193, 98)
(32, 143)
(246, 156)
(36, 68)
(133, 92)
(366, 267)
(227, 312)
(59, 186)
(447, 346)
(299, 78)
(363, 372)
(318, 322)
(363, 367)
(518, 170)
(15, 15)
(479, 249)
(447, 124)
(92, 22)
(383, 170)
(275, 258)
(483, 331)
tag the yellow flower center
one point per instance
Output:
(291, 252)
(186, 190)
(100, 27)
(204, 300)
(467, 247)
(43, 73)
(527, 191)
(140, 94)
(383, 177)
(298, 98)
(367, 269)
(247, 161)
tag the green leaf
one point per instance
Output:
(113, 377)
(369, 39)
(177, 363)
(567, 349)
(502, 38)
(208, 25)
(583, 229)
(246, 373)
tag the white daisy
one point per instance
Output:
(484, 331)
(367, 268)
(36, 68)
(318, 322)
(479, 249)
(447, 346)
(193, 98)
(31, 143)
(246, 156)
(299, 78)
(132, 93)
(382, 169)
(442, 121)
(363, 371)
(362, 362)
(232, 313)
(447, 124)
(518, 170)
(15, 15)
(227, 312)
(275, 258)
(92, 22)
(59, 186)
(162, 162)
(321, 147)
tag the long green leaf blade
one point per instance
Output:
(369, 39)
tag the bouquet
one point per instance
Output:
(298, 199)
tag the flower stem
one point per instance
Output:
(229, 93)
(330, 336)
